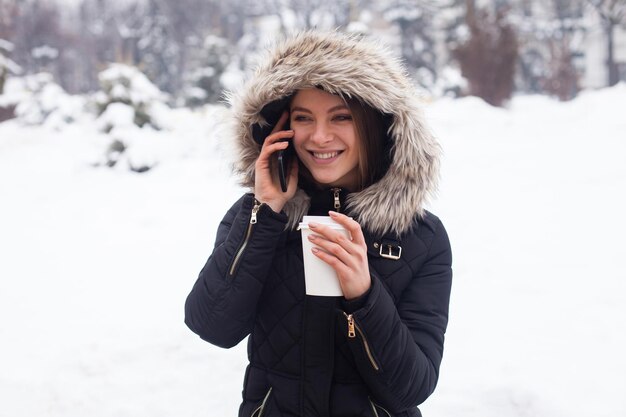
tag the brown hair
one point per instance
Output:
(371, 129)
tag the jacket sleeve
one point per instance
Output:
(222, 304)
(398, 347)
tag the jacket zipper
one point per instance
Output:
(353, 328)
(261, 408)
(375, 406)
(253, 221)
(336, 192)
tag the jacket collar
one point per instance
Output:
(324, 200)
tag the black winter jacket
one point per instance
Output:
(378, 355)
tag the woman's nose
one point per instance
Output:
(321, 134)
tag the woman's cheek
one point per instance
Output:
(297, 144)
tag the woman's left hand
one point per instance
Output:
(347, 256)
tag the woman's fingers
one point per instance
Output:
(351, 225)
(333, 261)
(277, 140)
(281, 122)
(270, 148)
(331, 247)
(272, 145)
(347, 257)
(335, 242)
(266, 188)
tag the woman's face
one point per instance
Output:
(325, 137)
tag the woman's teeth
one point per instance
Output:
(327, 155)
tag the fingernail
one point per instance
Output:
(312, 225)
(314, 250)
(312, 237)
(332, 213)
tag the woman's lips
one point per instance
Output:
(326, 157)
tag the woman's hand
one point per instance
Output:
(347, 256)
(266, 185)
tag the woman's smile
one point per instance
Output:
(325, 137)
(325, 157)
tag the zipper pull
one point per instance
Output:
(255, 209)
(351, 331)
(337, 202)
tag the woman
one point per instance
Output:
(365, 158)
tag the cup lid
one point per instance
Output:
(325, 220)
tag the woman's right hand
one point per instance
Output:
(266, 185)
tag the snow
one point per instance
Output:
(41, 101)
(45, 52)
(116, 115)
(232, 77)
(127, 84)
(357, 27)
(7, 65)
(97, 263)
(6, 45)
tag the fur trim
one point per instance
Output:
(352, 67)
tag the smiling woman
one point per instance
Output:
(354, 129)
(325, 138)
(364, 158)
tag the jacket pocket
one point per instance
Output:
(378, 410)
(242, 248)
(258, 412)
(353, 329)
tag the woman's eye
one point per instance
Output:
(299, 118)
(343, 117)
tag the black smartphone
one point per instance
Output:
(284, 161)
(271, 113)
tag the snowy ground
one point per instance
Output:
(95, 265)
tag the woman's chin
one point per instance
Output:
(326, 182)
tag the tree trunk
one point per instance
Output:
(610, 60)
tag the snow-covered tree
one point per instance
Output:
(7, 66)
(44, 102)
(128, 96)
(612, 13)
(159, 53)
(99, 40)
(204, 81)
(305, 14)
(551, 37)
(451, 20)
(415, 20)
(37, 32)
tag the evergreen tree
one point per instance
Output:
(204, 83)
(7, 66)
(157, 49)
(551, 34)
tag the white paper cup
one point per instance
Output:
(319, 277)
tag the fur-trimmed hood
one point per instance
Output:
(352, 67)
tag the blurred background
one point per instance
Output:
(115, 172)
(193, 49)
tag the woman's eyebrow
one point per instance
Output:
(338, 107)
(302, 109)
(332, 109)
